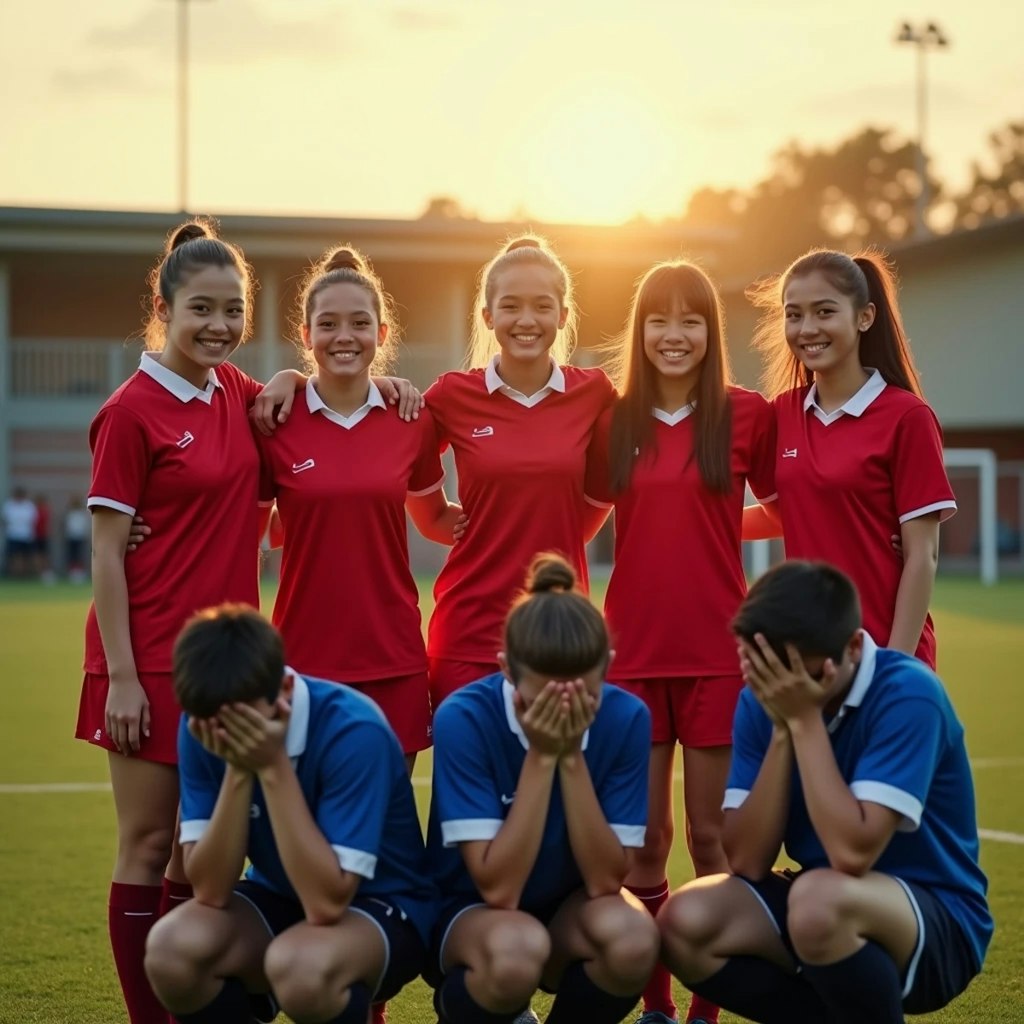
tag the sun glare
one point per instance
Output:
(601, 154)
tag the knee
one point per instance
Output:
(704, 839)
(300, 981)
(816, 910)
(657, 845)
(514, 955)
(146, 844)
(174, 956)
(628, 942)
(689, 922)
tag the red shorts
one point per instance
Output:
(405, 701)
(448, 675)
(164, 716)
(693, 711)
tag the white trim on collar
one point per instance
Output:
(298, 724)
(672, 418)
(493, 382)
(374, 400)
(861, 681)
(177, 385)
(856, 405)
(507, 691)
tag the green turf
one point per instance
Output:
(56, 849)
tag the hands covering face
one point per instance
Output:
(556, 719)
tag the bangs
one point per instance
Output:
(673, 284)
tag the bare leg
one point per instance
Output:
(705, 771)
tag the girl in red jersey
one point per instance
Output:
(680, 445)
(519, 423)
(859, 450)
(174, 444)
(343, 470)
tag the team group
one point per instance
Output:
(812, 715)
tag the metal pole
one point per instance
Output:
(183, 105)
(920, 222)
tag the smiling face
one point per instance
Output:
(525, 310)
(343, 330)
(675, 343)
(823, 326)
(204, 322)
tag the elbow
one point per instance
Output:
(608, 886)
(743, 864)
(500, 897)
(326, 909)
(211, 895)
(851, 861)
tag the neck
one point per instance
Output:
(839, 385)
(673, 393)
(198, 376)
(526, 376)
(343, 395)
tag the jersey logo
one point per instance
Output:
(301, 467)
(185, 440)
(507, 800)
(789, 453)
(483, 431)
(254, 811)
(98, 737)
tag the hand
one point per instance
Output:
(279, 395)
(459, 529)
(127, 714)
(253, 741)
(581, 714)
(896, 540)
(790, 693)
(398, 391)
(210, 733)
(137, 532)
(543, 721)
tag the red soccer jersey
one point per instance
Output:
(521, 465)
(347, 605)
(678, 574)
(186, 462)
(848, 479)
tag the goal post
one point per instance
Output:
(984, 461)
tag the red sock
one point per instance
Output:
(173, 894)
(701, 1009)
(658, 993)
(380, 1013)
(131, 912)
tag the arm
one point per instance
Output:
(214, 861)
(761, 522)
(127, 711)
(920, 541)
(279, 391)
(276, 529)
(434, 515)
(398, 391)
(594, 517)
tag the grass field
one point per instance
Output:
(56, 844)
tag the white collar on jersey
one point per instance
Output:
(556, 382)
(507, 690)
(374, 400)
(298, 723)
(672, 418)
(855, 405)
(178, 386)
(861, 681)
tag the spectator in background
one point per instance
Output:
(19, 516)
(41, 553)
(77, 527)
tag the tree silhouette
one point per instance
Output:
(993, 196)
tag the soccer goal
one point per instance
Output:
(984, 464)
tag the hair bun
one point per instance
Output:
(343, 259)
(189, 232)
(524, 242)
(550, 572)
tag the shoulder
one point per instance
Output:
(907, 408)
(591, 378)
(744, 398)
(457, 381)
(619, 707)
(477, 703)
(786, 401)
(900, 677)
(132, 395)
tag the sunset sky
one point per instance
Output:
(563, 110)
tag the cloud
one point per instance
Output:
(110, 77)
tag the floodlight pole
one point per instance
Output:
(923, 38)
(181, 31)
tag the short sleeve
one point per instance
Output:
(251, 388)
(267, 484)
(761, 475)
(199, 784)
(894, 773)
(465, 794)
(355, 795)
(120, 460)
(427, 472)
(435, 398)
(623, 793)
(919, 481)
(749, 745)
(597, 482)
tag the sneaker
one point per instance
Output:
(656, 1017)
(527, 1017)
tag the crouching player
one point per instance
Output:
(852, 756)
(306, 779)
(540, 794)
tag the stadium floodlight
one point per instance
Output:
(924, 38)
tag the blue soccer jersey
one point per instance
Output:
(353, 776)
(479, 749)
(898, 743)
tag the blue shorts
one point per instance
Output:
(404, 952)
(942, 964)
